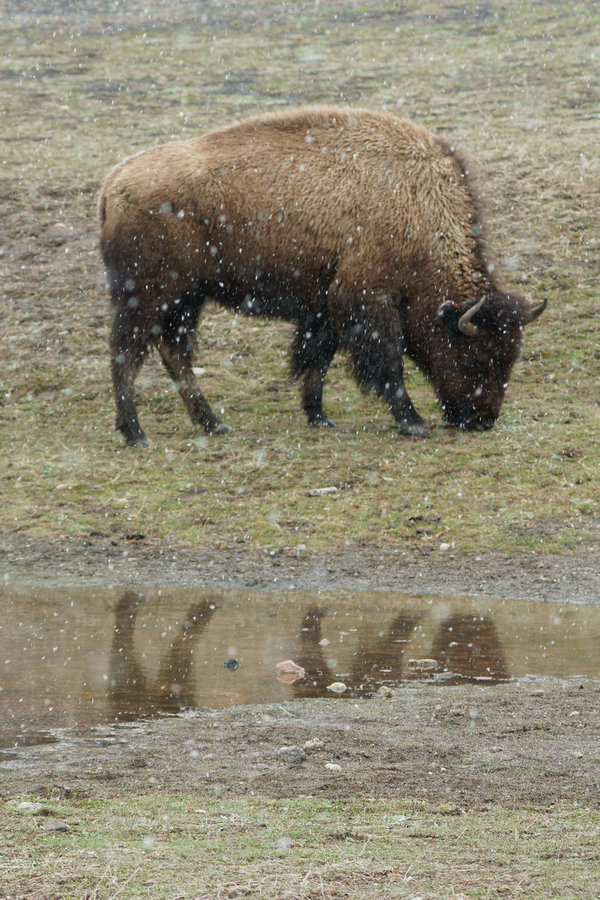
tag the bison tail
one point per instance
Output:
(102, 208)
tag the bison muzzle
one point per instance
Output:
(361, 228)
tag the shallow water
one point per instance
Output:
(76, 658)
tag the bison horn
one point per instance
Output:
(464, 323)
(535, 311)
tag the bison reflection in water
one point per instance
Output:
(131, 692)
(468, 648)
(465, 648)
(360, 228)
(372, 666)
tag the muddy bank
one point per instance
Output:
(529, 743)
(139, 561)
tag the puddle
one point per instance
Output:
(78, 658)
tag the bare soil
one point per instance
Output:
(139, 561)
(521, 744)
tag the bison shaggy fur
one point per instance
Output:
(361, 228)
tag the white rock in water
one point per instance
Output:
(423, 665)
(338, 687)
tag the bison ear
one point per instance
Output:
(458, 318)
(450, 314)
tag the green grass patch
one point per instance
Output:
(179, 846)
(509, 84)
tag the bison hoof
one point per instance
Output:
(321, 421)
(135, 438)
(414, 429)
(218, 428)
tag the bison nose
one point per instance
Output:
(485, 424)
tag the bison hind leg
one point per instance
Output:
(176, 347)
(129, 346)
(313, 349)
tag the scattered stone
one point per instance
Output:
(445, 546)
(319, 492)
(313, 744)
(291, 754)
(55, 825)
(333, 767)
(423, 665)
(385, 691)
(324, 642)
(338, 687)
(231, 664)
(33, 808)
(289, 672)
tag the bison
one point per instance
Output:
(361, 228)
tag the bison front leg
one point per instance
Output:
(311, 354)
(372, 333)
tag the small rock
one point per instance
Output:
(423, 665)
(33, 808)
(338, 687)
(385, 691)
(291, 754)
(55, 825)
(289, 672)
(320, 492)
(333, 767)
(324, 642)
(445, 546)
(231, 664)
(313, 744)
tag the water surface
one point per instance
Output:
(75, 658)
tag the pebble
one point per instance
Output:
(385, 691)
(231, 664)
(291, 754)
(288, 671)
(55, 825)
(313, 744)
(34, 808)
(333, 767)
(423, 665)
(338, 687)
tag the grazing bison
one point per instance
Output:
(360, 228)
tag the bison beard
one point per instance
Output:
(361, 228)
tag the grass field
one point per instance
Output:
(510, 83)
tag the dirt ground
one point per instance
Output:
(140, 561)
(520, 744)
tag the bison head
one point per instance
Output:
(472, 361)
